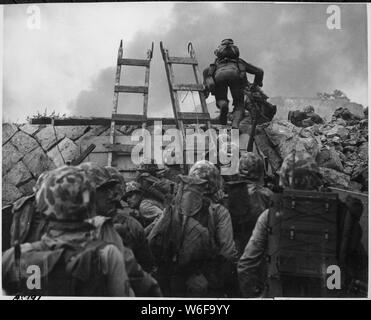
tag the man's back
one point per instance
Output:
(69, 266)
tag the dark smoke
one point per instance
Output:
(299, 55)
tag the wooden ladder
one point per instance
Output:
(114, 147)
(169, 61)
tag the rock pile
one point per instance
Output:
(340, 147)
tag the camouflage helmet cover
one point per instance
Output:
(251, 166)
(98, 175)
(116, 176)
(299, 170)
(309, 109)
(65, 194)
(207, 171)
(151, 168)
(132, 186)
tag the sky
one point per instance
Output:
(68, 64)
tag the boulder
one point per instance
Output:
(335, 178)
(339, 131)
(18, 174)
(64, 151)
(329, 158)
(23, 142)
(48, 138)
(9, 129)
(363, 151)
(10, 156)
(38, 162)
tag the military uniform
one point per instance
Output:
(220, 269)
(298, 171)
(258, 198)
(230, 71)
(66, 198)
(142, 283)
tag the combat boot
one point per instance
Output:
(238, 115)
(222, 105)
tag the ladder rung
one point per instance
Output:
(179, 60)
(128, 117)
(131, 89)
(134, 62)
(118, 147)
(188, 87)
(193, 116)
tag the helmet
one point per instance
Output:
(227, 42)
(207, 171)
(98, 175)
(115, 175)
(251, 166)
(65, 194)
(151, 168)
(132, 186)
(308, 109)
(299, 170)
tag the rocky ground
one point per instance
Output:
(339, 146)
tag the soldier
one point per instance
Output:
(155, 185)
(229, 70)
(142, 283)
(248, 198)
(67, 254)
(130, 230)
(146, 211)
(302, 274)
(193, 241)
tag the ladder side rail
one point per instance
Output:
(146, 81)
(170, 80)
(115, 101)
(196, 72)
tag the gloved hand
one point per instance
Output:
(206, 93)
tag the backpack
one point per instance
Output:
(302, 243)
(28, 225)
(183, 235)
(64, 271)
(227, 50)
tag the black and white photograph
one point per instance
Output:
(188, 150)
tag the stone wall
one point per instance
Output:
(28, 150)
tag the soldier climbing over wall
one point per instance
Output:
(229, 71)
